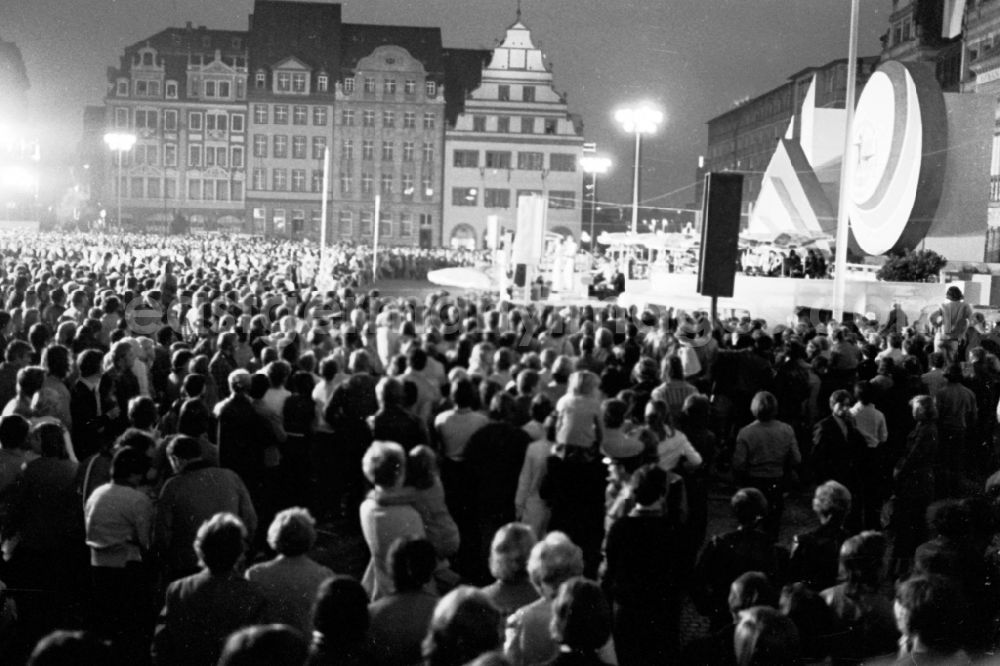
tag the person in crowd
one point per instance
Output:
(195, 493)
(17, 355)
(64, 648)
(913, 486)
(119, 522)
(382, 523)
(93, 412)
(528, 502)
(875, 457)
(399, 621)
(930, 613)
(951, 320)
(643, 565)
(716, 649)
(726, 556)
(815, 554)
(581, 623)
(553, 560)
(957, 415)
(766, 453)
(578, 412)
(340, 625)
(392, 422)
(265, 645)
(858, 602)
(765, 637)
(241, 434)
(202, 609)
(838, 445)
(290, 581)
(493, 456)
(509, 554)
(464, 626)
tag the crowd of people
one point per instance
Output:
(532, 483)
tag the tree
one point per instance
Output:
(912, 266)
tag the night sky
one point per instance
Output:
(692, 57)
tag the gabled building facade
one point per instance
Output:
(182, 93)
(515, 136)
(389, 136)
(294, 62)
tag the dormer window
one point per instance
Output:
(431, 88)
(322, 82)
(171, 89)
(260, 79)
(147, 59)
(299, 82)
(121, 89)
(349, 85)
(284, 82)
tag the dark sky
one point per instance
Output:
(692, 57)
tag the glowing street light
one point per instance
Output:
(121, 143)
(594, 165)
(638, 120)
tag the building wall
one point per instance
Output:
(290, 126)
(187, 110)
(389, 141)
(515, 136)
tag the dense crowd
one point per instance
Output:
(532, 483)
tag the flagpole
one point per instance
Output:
(378, 205)
(323, 214)
(846, 173)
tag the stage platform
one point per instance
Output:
(776, 299)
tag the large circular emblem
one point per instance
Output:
(898, 147)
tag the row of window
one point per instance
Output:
(295, 180)
(291, 83)
(408, 120)
(390, 225)
(198, 155)
(287, 180)
(390, 86)
(527, 93)
(526, 160)
(280, 114)
(509, 124)
(500, 198)
(192, 189)
(387, 185)
(388, 151)
(197, 121)
(280, 146)
(197, 88)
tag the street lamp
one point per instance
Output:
(594, 165)
(121, 143)
(638, 120)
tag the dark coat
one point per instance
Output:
(243, 435)
(200, 611)
(91, 431)
(837, 456)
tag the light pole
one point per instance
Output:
(594, 165)
(638, 120)
(121, 143)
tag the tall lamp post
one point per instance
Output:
(121, 143)
(594, 165)
(638, 120)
